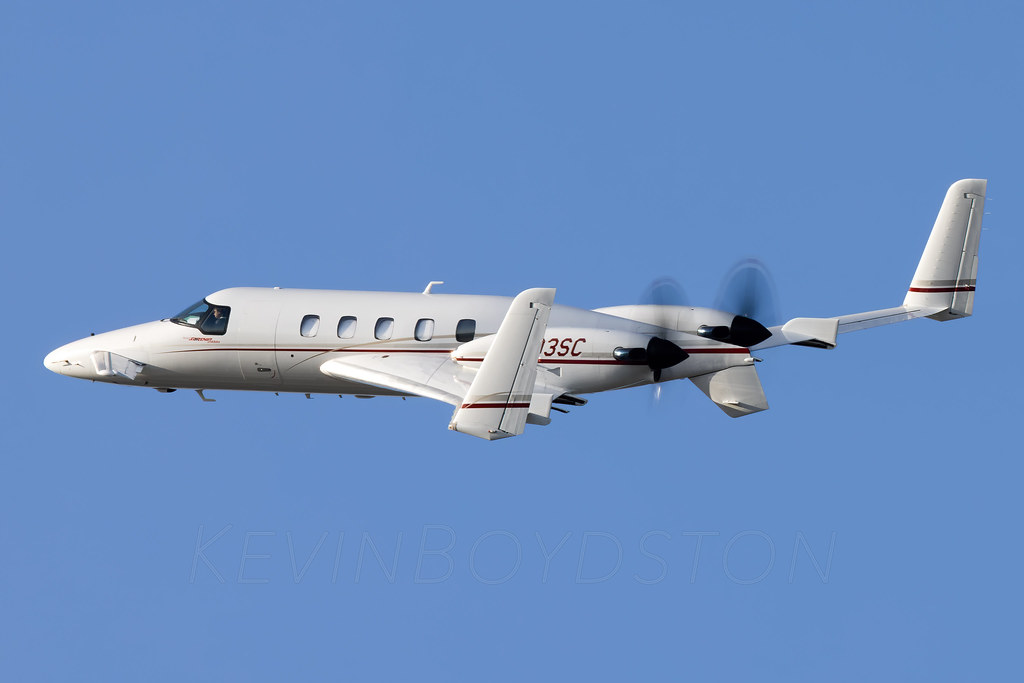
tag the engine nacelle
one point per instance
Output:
(682, 318)
(705, 322)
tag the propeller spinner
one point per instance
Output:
(747, 291)
(659, 355)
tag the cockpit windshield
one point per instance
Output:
(204, 316)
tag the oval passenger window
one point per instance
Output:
(424, 329)
(347, 327)
(465, 330)
(384, 328)
(310, 325)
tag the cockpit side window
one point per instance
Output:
(206, 317)
(216, 321)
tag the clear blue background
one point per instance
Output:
(153, 153)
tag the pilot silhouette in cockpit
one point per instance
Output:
(217, 322)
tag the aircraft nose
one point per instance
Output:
(71, 359)
(57, 359)
(48, 362)
(102, 357)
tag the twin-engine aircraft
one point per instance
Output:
(503, 363)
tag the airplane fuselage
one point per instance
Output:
(277, 339)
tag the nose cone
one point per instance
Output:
(52, 361)
(71, 359)
(107, 357)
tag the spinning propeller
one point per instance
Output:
(747, 292)
(661, 353)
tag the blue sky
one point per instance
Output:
(865, 526)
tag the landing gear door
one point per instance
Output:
(257, 324)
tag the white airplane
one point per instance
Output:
(501, 362)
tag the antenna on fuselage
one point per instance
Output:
(431, 284)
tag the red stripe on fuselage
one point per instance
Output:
(601, 361)
(308, 350)
(555, 361)
(717, 350)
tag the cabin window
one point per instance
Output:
(424, 329)
(384, 328)
(465, 330)
(206, 317)
(310, 325)
(347, 327)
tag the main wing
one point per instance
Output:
(441, 379)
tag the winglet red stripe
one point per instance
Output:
(495, 405)
(940, 290)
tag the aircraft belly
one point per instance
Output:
(590, 379)
(195, 367)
